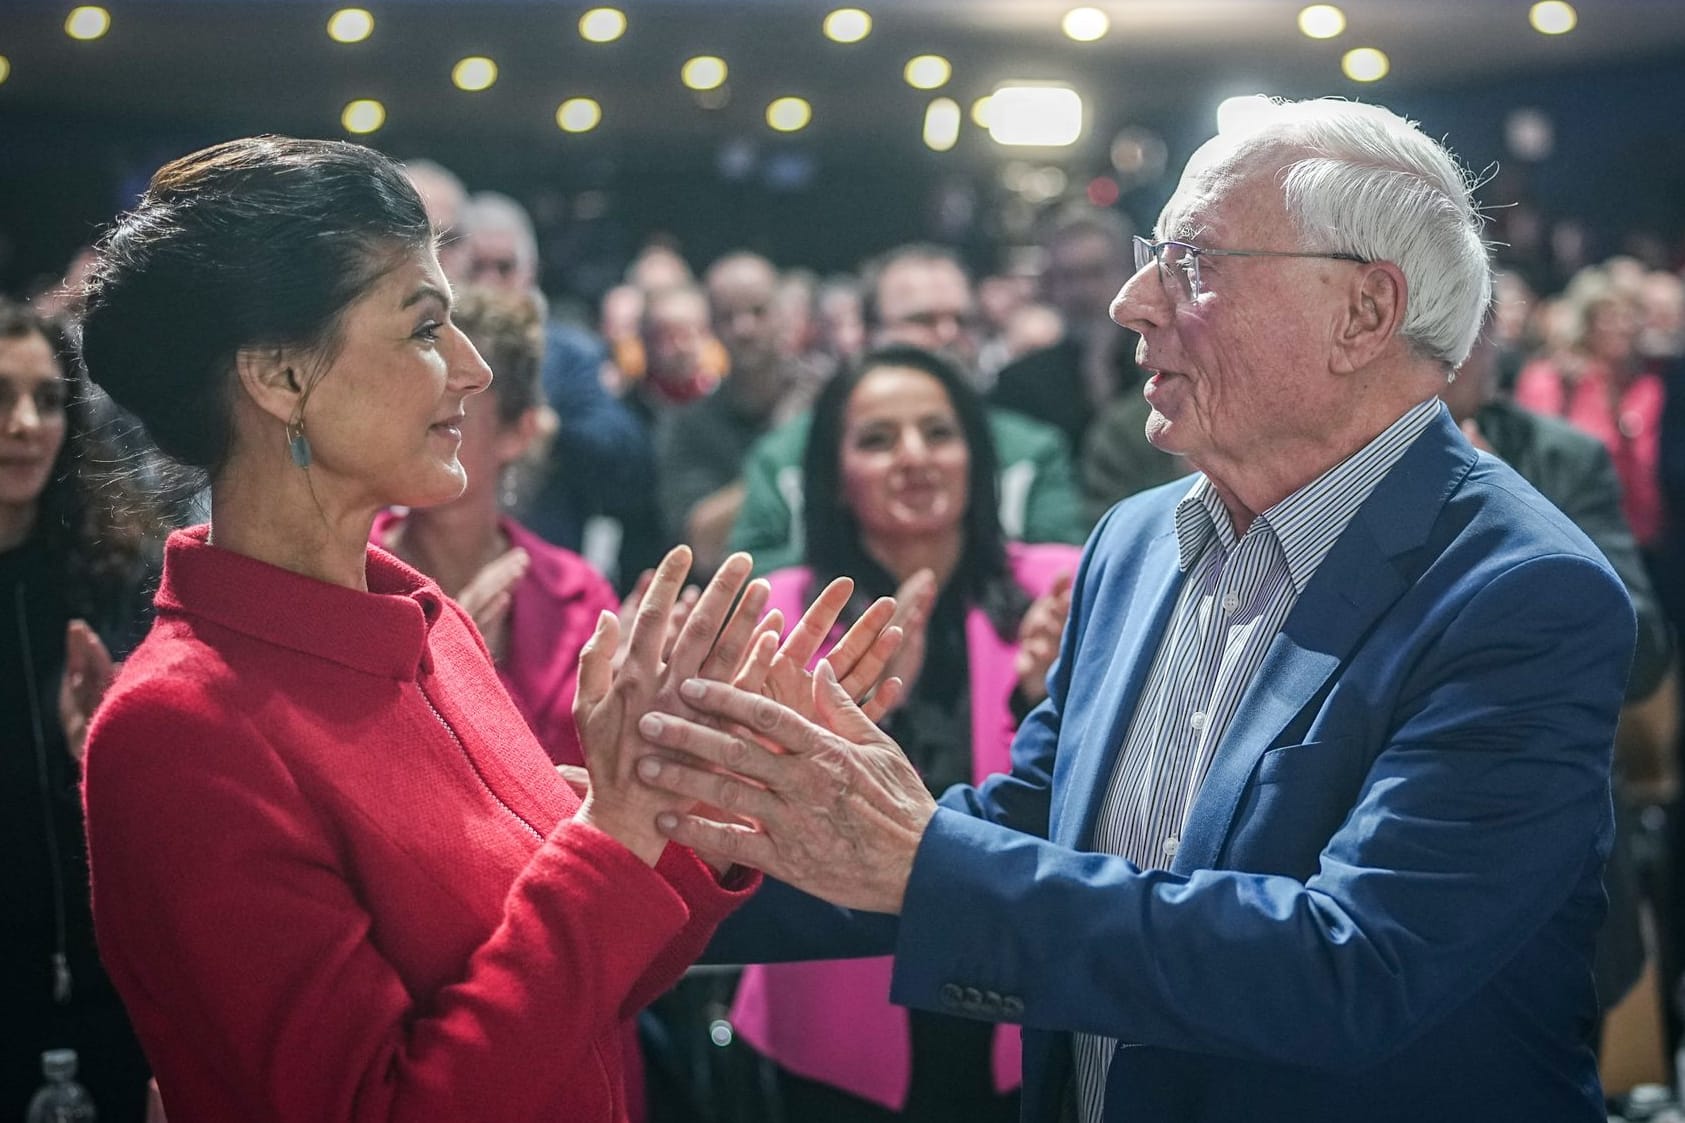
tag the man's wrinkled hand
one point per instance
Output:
(831, 806)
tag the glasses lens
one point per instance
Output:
(1181, 269)
(1143, 252)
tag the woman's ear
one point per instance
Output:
(272, 378)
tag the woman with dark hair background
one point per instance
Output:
(72, 574)
(901, 475)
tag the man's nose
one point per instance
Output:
(1142, 302)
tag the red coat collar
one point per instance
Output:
(381, 632)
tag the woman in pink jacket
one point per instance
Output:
(901, 449)
(1601, 385)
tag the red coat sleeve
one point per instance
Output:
(239, 942)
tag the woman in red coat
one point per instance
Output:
(334, 875)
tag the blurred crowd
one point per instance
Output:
(742, 404)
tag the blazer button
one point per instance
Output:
(973, 1001)
(991, 1003)
(952, 996)
(1012, 1006)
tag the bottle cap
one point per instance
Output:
(59, 1064)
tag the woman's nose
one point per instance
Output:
(912, 446)
(23, 417)
(469, 373)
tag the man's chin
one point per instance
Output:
(1161, 432)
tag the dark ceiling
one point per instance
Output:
(269, 65)
(83, 124)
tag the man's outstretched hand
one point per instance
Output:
(831, 805)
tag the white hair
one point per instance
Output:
(1374, 185)
(492, 210)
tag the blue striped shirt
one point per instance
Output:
(1235, 597)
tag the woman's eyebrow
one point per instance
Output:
(426, 292)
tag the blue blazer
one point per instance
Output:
(1384, 900)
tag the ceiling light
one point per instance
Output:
(1086, 24)
(1365, 64)
(474, 73)
(578, 115)
(5, 68)
(364, 115)
(1035, 113)
(1043, 185)
(942, 124)
(980, 112)
(1322, 21)
(350, 25)
(87, 22)
(1553, 17)
(1103, 191)
(927, 72)
(1138, 154)
(847, 25)
(1240, 114)
(602, 25)
(1530, 135)
(704, 72)
(789, 114)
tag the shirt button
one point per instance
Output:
(1198, 722)
(1231, 602)
(1171, 845)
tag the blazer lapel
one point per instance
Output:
(1323, 628)
(1374, 561)
(1137, 615)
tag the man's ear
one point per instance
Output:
(1372, 317)
(273, 379)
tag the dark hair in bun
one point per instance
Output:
(261, 242)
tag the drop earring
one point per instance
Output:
(298, 445)
(508, 491)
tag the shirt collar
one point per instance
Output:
(1308, 522)
(381, 632)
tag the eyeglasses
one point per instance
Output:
(501, 267)
(1178, 262)
(932, 319)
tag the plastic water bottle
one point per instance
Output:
(61, 1099)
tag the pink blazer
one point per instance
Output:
(832, 1021)
(552, 613)
(1631, 430)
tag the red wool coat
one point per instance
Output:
(336, 878)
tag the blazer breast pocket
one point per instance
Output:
(1298, 797)
(1305, 761)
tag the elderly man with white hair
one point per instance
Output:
(1313, 822)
